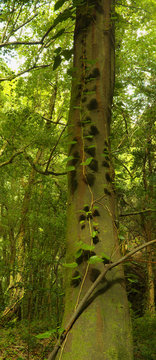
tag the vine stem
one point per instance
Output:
(80, 307)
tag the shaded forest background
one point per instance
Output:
(36, 52)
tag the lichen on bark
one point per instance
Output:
(103, 330)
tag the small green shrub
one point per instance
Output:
(144, 334)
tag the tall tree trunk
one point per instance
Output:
(16, 286)
(147, 226)
(103, 330)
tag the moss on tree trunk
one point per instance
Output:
(103, 330)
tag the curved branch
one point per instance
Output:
(80, 307)
(11, 159)
(34, 67)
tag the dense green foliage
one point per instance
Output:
(36, 51)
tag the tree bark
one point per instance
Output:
(103, 330)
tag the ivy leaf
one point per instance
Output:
(95, 260)
(57, 62)
(78, 253)
(70, 265)
(88, 161)
(58, 4)
(105, 258)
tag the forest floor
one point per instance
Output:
(23, 341)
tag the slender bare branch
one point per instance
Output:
(54, 148)
(138, 212)
(11, 159)
(53, 122)
(20, 43)
(25, 23)
(42, 172)
(34, 67)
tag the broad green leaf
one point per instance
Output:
(91, 147)
(57, 62)
(70, 168)
(105, 257)
(68, 159)
(95, 207)
(58, 4)
(58, 50)
(66, 14)
(95, 259)
(70, 265)
(45, 335)
(78, 253)
(67, 53)
(72, 142)
(94, 233)
(59, 33)
(87, 247)
(121, 237)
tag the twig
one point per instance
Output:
(80, 307)
(34, 67)
(138, 212)
(11, 159)
(42, 172)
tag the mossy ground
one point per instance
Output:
(18, 340)
(144, 337)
